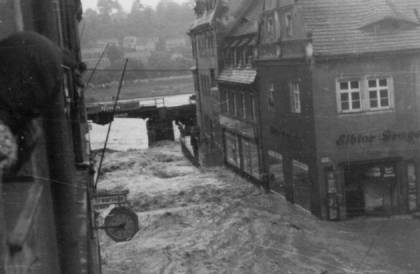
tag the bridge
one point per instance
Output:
(160, 112)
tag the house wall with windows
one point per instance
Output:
(238, 89)
(286, 105)
(205, 53)
(287, 130)
(339, 100)
(367, 111)
(214, 21)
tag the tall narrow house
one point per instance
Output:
(214, 19)
(238, 95)
(340, 104)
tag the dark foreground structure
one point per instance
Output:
(46, 184)
(336, 86)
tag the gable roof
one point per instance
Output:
(223, 16)
(248, 23)
(337, 26)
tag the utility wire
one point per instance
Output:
(110, 124)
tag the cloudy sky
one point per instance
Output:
(125, 3)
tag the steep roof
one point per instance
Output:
(224, 16)
(339, 26)
(248, 24)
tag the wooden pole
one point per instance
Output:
(110, 124)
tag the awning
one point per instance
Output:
(233, 44)
(244, 42)
(238, 126)
(252, 42)
(239, 76)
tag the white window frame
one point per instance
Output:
(364, 94)
(349, 91)
(378, 89)
(295, 99)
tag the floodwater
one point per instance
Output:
(213, 221)
(126, 134)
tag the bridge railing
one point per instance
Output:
(126, 105)
(156, 101)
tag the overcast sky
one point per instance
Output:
(125, 3)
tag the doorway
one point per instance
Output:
(369, 188)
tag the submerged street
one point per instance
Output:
(213, 221)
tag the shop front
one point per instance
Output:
(382, 187)
(371, 188)
(241, 148)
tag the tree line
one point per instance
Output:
(109, 21)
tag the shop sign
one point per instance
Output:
(389, 172)
(378, 172)
(386, 136)
(332, 188)
(325, 160)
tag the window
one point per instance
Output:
(213, 78)
(379, 95)
(253, 109)
(270, 25)
(224, 101)
(240, 105)
(412, 187)
(232, 150)
(349, 96)
(243, 106)
(249, 55)
(271, 97)
(367, 94)
(289, 24)
(295, 105)
(250, 155)
(232, 103)
(238, 57)
(302, 187)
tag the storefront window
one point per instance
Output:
(232, 149)
(276, 173)
(251, 159)
(333, 208)
(301, 184)
(412, 187)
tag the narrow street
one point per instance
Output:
(212, 221)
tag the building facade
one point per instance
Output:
(339, 94)
(214, 19)
(238, 96)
